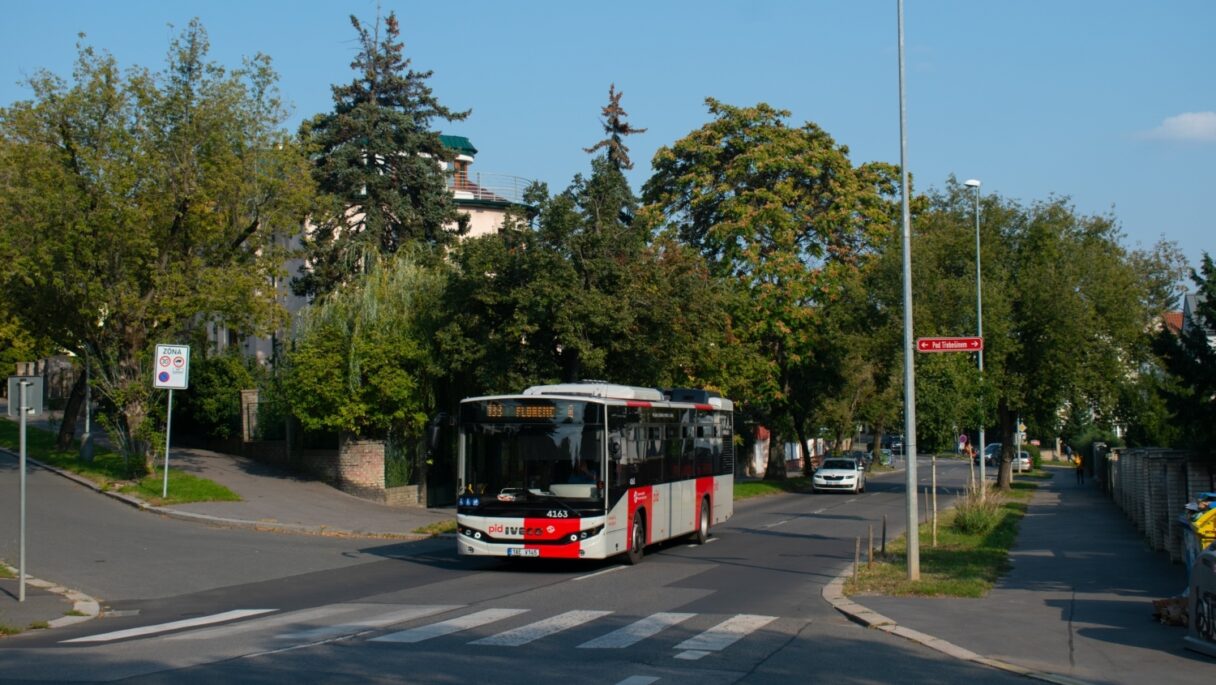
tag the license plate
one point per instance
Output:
(517, 552)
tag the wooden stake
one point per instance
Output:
(870, 548)
(935, 500)
(856, 558)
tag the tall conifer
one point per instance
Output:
(616, 128)
(378, 163)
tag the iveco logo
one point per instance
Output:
(518, 530)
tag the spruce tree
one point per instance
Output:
(616, 128)
(377, 163)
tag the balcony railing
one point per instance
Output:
(488, 187)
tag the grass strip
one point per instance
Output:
(183, 488)
(437, 528)
(961, 565)
(109, 470)
(763, 488)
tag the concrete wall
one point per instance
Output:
(1153, 486)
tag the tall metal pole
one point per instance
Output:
(979, 322)
(909, 367)
(21, 395)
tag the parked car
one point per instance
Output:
(991, 451)
(1022, 461)
(992, 455)
(840, 473)
(862, 458)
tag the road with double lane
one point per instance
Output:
(186, 603)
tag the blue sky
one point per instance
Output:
(1109, 102)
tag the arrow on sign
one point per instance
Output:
(972, 344)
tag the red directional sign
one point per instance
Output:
(949, 344)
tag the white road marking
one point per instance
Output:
(600, 573)
(820, 510)
(534, 631)
(637, 631)
(725, 633)
(454, 625)
(774, 525)
(387, 618)
(692, 655)
(639, 680)
(268, 622)
(172, 625)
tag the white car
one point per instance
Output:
(837, 473)
(1022, 461)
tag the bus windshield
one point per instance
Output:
(524, 450)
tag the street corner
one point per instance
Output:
(46, 605)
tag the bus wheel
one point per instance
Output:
(637, 540)
(702, 532)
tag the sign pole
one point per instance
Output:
(168, 425)
(171, 372)
(21, 466)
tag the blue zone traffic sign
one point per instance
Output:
(172, 367)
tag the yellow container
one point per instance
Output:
(1204, 526)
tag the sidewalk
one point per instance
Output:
(1077, 605)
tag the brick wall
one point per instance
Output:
(360, 468)
(404, 496)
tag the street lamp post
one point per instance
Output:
(974, 185)
(913, 534)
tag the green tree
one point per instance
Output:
(1067, 309)
(139, 208)
(377, 164)
(360, 363)
(212, 407)
(783, 214)
(582, 291)
(1189, 359)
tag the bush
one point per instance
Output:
(975, 514)
(212, 406)
(1036, 456)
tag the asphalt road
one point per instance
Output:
(188, 603)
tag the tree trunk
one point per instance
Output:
(880, 431)
(1007, 417)
(67, 428)
(776, 458)
(808, 467)
(747, 449)
(133, 414)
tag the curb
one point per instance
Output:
(264, 526)
(833, 593)
(82, 603)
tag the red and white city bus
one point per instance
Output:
(590, 470)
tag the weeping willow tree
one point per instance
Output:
(360, 362)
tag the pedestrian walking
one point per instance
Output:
(1076, 462)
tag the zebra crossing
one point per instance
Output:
(714, 633)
